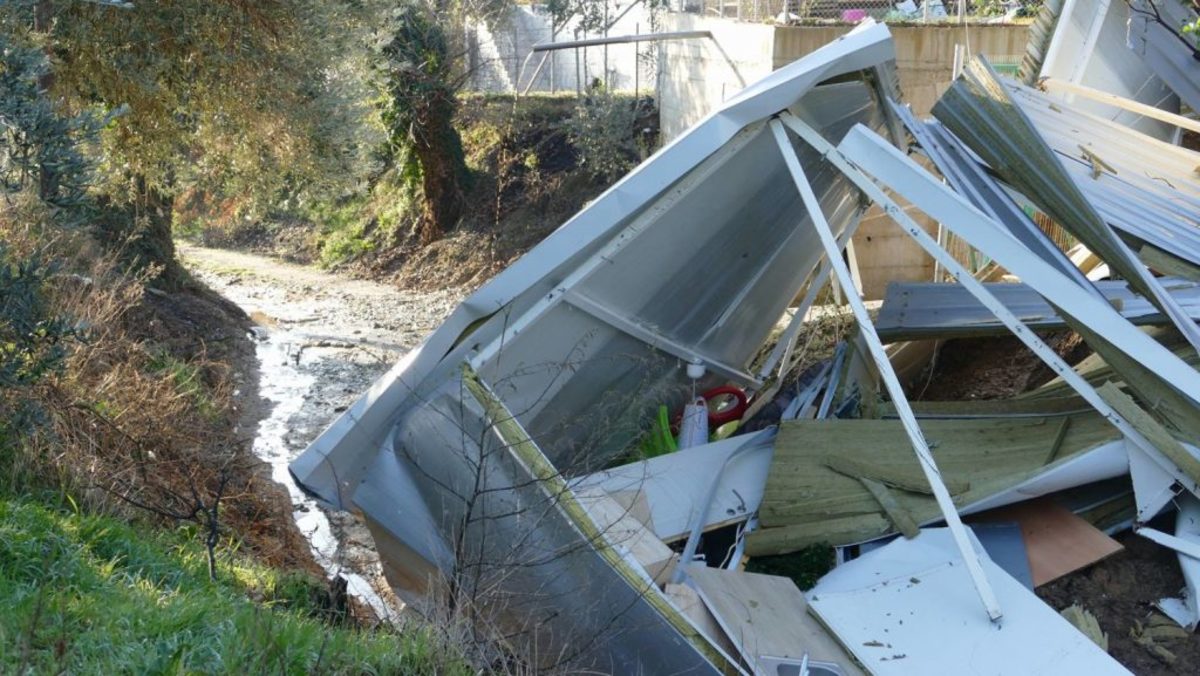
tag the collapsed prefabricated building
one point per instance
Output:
(493, 463)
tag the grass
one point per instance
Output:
(188, 382)
(93, 594)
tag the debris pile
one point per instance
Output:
(537, 461)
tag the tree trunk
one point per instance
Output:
(439, 151)
(140, 232)
(43, 21)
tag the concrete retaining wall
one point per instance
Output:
(497, 54)
(694, 78)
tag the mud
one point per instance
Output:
(321, 340)
(1121, 592)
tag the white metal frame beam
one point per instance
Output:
(862, 148)
(891, 381)
(624, 238)
(655, 339)
(782, 352)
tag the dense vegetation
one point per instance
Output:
(137, 533)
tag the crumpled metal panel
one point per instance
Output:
(335, 463)
(693, 241)
(1147, 189)
(1084, 48)
(521, 559)
(963, 170)
(713, 276)
(979, 110)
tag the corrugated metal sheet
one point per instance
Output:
(1040, 33)
(962, 169)
(980, 111)
(1147, 189)
(916, 310)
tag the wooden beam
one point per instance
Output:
(898, 477)
(899, 516)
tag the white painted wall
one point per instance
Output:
(498, 53)
(697, 77)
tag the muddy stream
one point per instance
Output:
(321, 340)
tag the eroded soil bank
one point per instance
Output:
(321, 340)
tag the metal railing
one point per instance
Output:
(836, 11)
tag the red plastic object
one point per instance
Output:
(718, 418)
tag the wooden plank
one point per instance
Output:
(794, 537)
(1057, 541)
(992, 408)
(766, 615)
(1058, 440)
(805, 502)
(637, 504)
(903, 478)
(621, 528)
(899, 516)
(1153, 430)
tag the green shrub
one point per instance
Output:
(33, 344)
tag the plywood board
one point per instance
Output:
(766, 615)
(1057, 541)
(621, 528)
(688, 601)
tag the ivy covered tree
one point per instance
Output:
(420, 100)
(422, 63)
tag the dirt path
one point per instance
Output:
(322, 340)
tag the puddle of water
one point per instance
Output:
(285, 385)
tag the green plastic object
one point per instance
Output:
(660, 441)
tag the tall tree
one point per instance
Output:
(211, 92)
